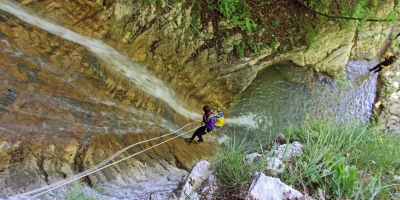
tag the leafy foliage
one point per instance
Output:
(240, 49)
(228, 7)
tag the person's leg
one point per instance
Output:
(200, 138)
(378, 70)
(197, 133)
(191, 138)
(376, 67)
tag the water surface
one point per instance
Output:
(284, 94)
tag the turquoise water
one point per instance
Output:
(284, 94)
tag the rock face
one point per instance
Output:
(269, 188)
(200, 183)
(387, 103)
(63, 110)
(198, 67)
(388, 98)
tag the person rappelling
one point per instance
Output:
(207, 125)
(389, 60)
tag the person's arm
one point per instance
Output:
(210, 125)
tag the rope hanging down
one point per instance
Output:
(341, 17)
(99, 167)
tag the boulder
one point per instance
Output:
(199, 180)
(269, 188)
(286, 151)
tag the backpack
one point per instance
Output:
(219, 118)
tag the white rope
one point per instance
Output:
(53, 188)
(97, 167)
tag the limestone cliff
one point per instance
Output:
(75, 130)
(202, 68)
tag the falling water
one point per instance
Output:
(140, 76)
(55, 107)
(49, 112)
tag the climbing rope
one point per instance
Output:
(341, 17)
(99, 167)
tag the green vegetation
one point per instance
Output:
(231, 171)
(227, 7)
(347, 161)
(239, 48)
(75, 191)
(283, 22)
(268, 23)
(253, 46)
(239, 12)
(343, 81)
(310, 31)
(274, 43)
(360, 9)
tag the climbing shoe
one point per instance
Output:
(199, 141)
(189, 140)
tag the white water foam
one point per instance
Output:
(136, 73)
(250, 120)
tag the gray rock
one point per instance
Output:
(250, 158)
(269, 188)
(287, 151)
(210, 188)
(275, 165)
(199, 180)
(223, 25)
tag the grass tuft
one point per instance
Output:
(347, 161)
(75, 191)
(232, 172)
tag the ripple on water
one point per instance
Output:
(284, 94)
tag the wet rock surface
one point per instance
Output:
(155, 35)
(386, 107)
(63, 110)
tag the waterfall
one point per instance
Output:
(136, 73)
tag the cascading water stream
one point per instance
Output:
(108, 122)
(140, 76)
(55, 114)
